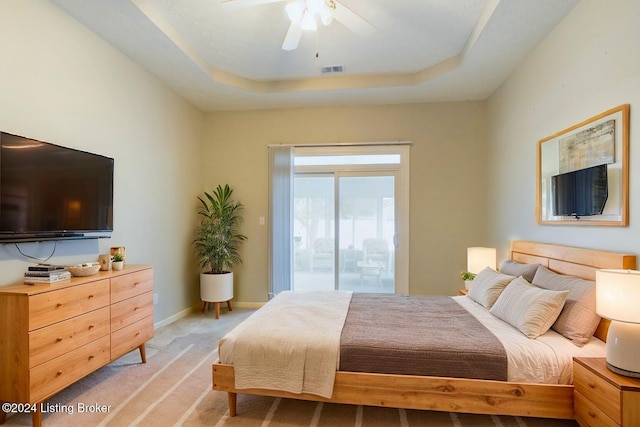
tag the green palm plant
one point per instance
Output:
(217, 241)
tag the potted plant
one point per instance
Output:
(117, 261)
(217, 244)
(468, 279)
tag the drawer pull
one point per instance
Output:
(58, 305)
(58, 339)
(92, 326)
(136, 283)
(591, 414)
(58, 373)
(90, 296)
(91, 357)
(136, 309)
(591, 385)
(137, 333)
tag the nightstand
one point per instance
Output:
(602, 397)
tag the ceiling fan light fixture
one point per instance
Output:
(326, 15)
(303, 13)
(308, 21)
(296, 10)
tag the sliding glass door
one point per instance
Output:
(344, 231)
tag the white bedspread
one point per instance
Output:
(304, 362)
(546, 360)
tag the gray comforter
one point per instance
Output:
(431, 336)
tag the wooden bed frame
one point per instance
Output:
(457, 394)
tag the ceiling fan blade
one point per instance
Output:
(238, 4)
(292, 38)
(352, 21)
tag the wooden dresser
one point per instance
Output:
(53, 335)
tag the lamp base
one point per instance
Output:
(623, 347)
(623, 371)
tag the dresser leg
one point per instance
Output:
(229, 305)
(143, 353)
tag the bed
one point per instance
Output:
(454, 394)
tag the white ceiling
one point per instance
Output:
(231, 59)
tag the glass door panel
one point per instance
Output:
(366, 250)
(314, 232)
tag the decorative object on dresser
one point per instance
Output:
(46, 275)
(602, 397)
(617, 299)
(217, 245)
(105, 261)
(84, 270)
(53, 336)
(117, 261)
(119, 250)
(478, 258)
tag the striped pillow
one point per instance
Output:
(530, 309)
(487, 287)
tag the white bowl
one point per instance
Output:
(83, 270)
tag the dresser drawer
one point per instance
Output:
(130, 285)
(58, 373)
(596, 389)
(51, 307)
(52, 341)
(131, 310)
(588, 415)
(130, 337)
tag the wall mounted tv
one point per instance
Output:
(579, 193)
(49, 192)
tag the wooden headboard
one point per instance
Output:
(573, 261)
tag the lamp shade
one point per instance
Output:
(479, 258)
(618, 295)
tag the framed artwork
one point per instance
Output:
(583, 172)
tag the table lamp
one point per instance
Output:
(618, 299)
(480, 258)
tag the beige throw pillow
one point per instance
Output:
(528, 308)
(487, 287)
(578, 319)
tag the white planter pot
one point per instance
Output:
(117, 265)
(467, 284)
(216, 287)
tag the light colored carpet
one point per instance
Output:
(174, 388)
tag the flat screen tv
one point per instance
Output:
(51, 192)
(579, 193)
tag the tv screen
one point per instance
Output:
(579, 193)
(48, 191)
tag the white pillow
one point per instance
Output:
(487, 287)
(528, 308)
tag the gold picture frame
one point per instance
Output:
(602, 139)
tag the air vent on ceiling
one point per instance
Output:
(332, 69)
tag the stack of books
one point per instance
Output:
(44, 273)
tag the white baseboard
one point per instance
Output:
(198, 307)
(177, 316)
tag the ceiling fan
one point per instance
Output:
(304, 15)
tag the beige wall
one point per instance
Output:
(62, 84)
(448, 192)
(589, 64)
